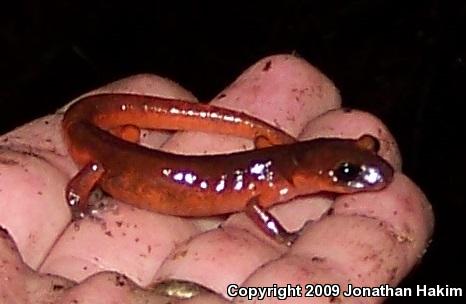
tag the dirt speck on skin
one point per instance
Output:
(369, 257)
(267, 66)
(318, 259)
(76, 226)
(223, 95)
(330, 211)
(57, 287)
(277, 123)
(320, 91)
(335, 300)
(8, 161)
(291, 118)
(393, 272)
(179, 254)
(120, 280)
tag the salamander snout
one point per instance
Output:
(361, 169)
(342, 165)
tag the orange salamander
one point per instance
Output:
(102, 133)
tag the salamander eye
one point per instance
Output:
(347, 172)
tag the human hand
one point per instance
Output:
(365, 239)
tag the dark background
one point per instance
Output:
(404, 61)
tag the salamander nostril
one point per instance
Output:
(347, 172)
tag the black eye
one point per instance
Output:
(347, 172)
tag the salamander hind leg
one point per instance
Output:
(81, 186)
(261, 142)
(127, 132)
(268, 223)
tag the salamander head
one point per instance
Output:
(342, 165)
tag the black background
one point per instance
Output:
(404, 61)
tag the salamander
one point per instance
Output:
(102, 133)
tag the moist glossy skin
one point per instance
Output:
(212, 184)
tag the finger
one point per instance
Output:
(108, 287)
(404, 211)
(32, 203)
(120, 242)
(282, 90)
(216, 259)
(362, 245)
(18, 282)
(349, 123)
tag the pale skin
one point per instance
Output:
(367, 239)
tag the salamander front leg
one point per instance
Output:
(268, 223)
(80, 187)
